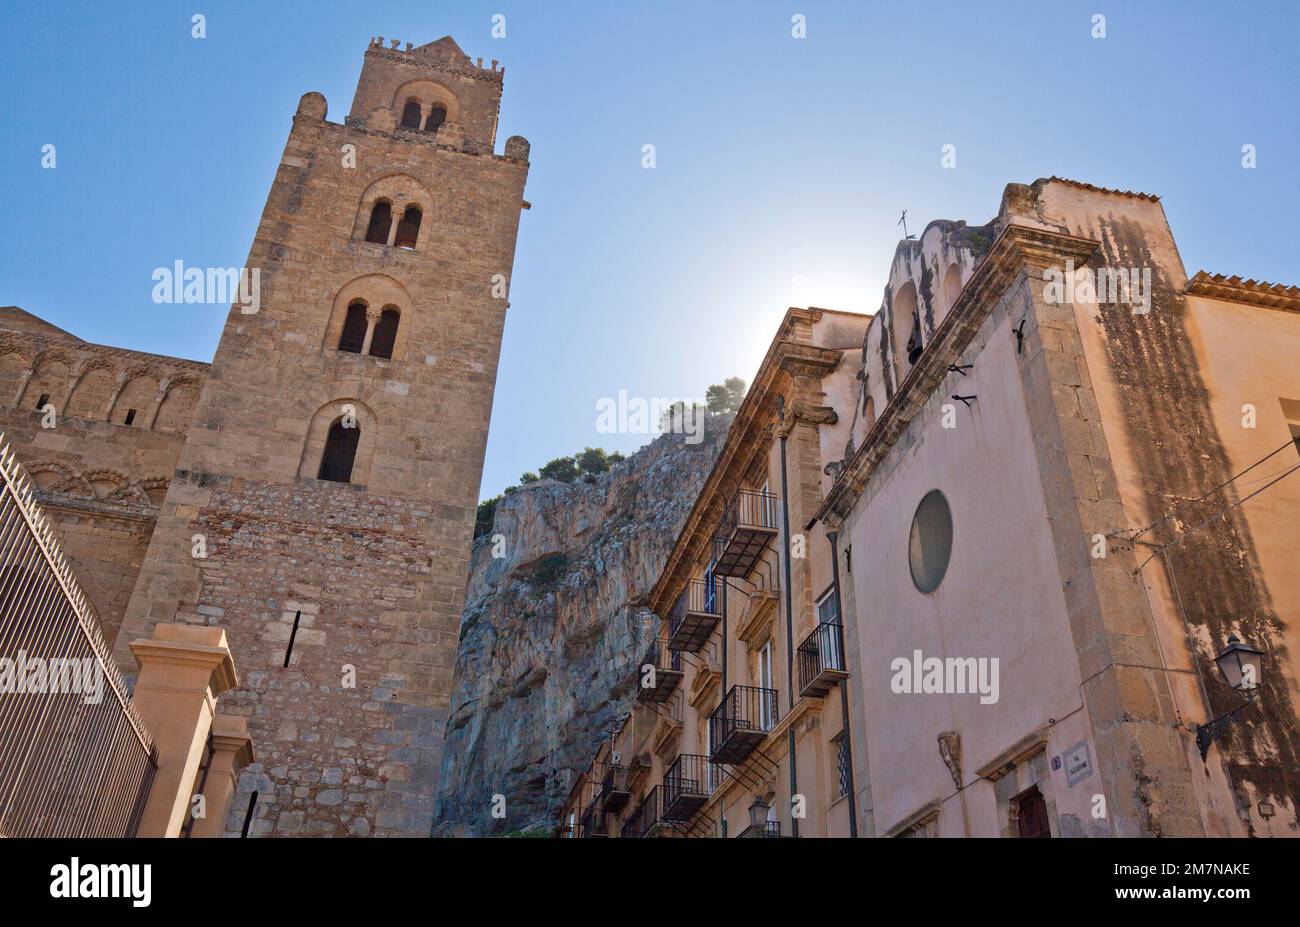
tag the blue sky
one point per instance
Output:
(782, 163)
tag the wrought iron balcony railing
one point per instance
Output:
(741, 722)
(614, 792)
(766, 829)
(75, 760)
(688, 783)
(747, 527)
(593, 822)
(659, 674)
(821, 659)
(695, 614)
(647, 820)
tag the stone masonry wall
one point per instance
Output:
(376, 567)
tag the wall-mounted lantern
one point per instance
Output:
(758, 814)
(1241, 666)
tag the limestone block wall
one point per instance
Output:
(372, 571)
(99, 479)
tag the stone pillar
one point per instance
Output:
(183, 668)
(372, 314)
(1126, 689)
(232, 750)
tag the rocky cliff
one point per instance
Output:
(553, 628)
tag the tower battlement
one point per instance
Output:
(434, 52)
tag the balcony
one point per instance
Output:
(766, 829)
(648, 819)
(614, 793)
(695, 615)
(593, 822)
(739, 724)
(688, 783)
(821, 660)
(659, 674)
(748, 526)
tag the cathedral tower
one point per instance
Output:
(323, 504)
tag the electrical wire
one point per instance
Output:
(1229, 481)
(1225, 510)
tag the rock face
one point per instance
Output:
(553, 629)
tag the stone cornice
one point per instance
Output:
(1017, 247)
(414, 59)
(749, 431)
(1013, 756)
(10, 338)
(918, 818)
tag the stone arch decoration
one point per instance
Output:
(51, 375)
(378, 292)
(102, 484)
(139, 391)
(155, 489)
(428, 94)
(14, 366)
(401, 192)
(107, 483)
(92, 389)
(177, 406)
(55, 477)
(318, 433)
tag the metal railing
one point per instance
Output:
(614, 781)
(593, 822)
(744, 532)
(766, 829)
(688, 783)
(821, 651)
(75, 757)
(748, 508)
(661, 657)
(740, 721)
(695, 614)
(646, 816)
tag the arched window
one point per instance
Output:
(340, 452)
(381, 220)
(437, 116)
(411, 115)
(354, 329)
(385, 336)
(905, 331)
(408, 230)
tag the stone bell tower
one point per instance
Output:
(323, 504)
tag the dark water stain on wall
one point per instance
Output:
(927, 299)
(1180, 456)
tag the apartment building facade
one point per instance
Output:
(739, 726)
(1049, 490)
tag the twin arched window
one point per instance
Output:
(380, 228)
(413, 116)
(359, 337)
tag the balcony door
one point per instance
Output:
(711, 588)
(765, 681)
(828, 641)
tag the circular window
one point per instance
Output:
(930, 545)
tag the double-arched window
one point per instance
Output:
(413, 116)
(367, 333)
(380, 227)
